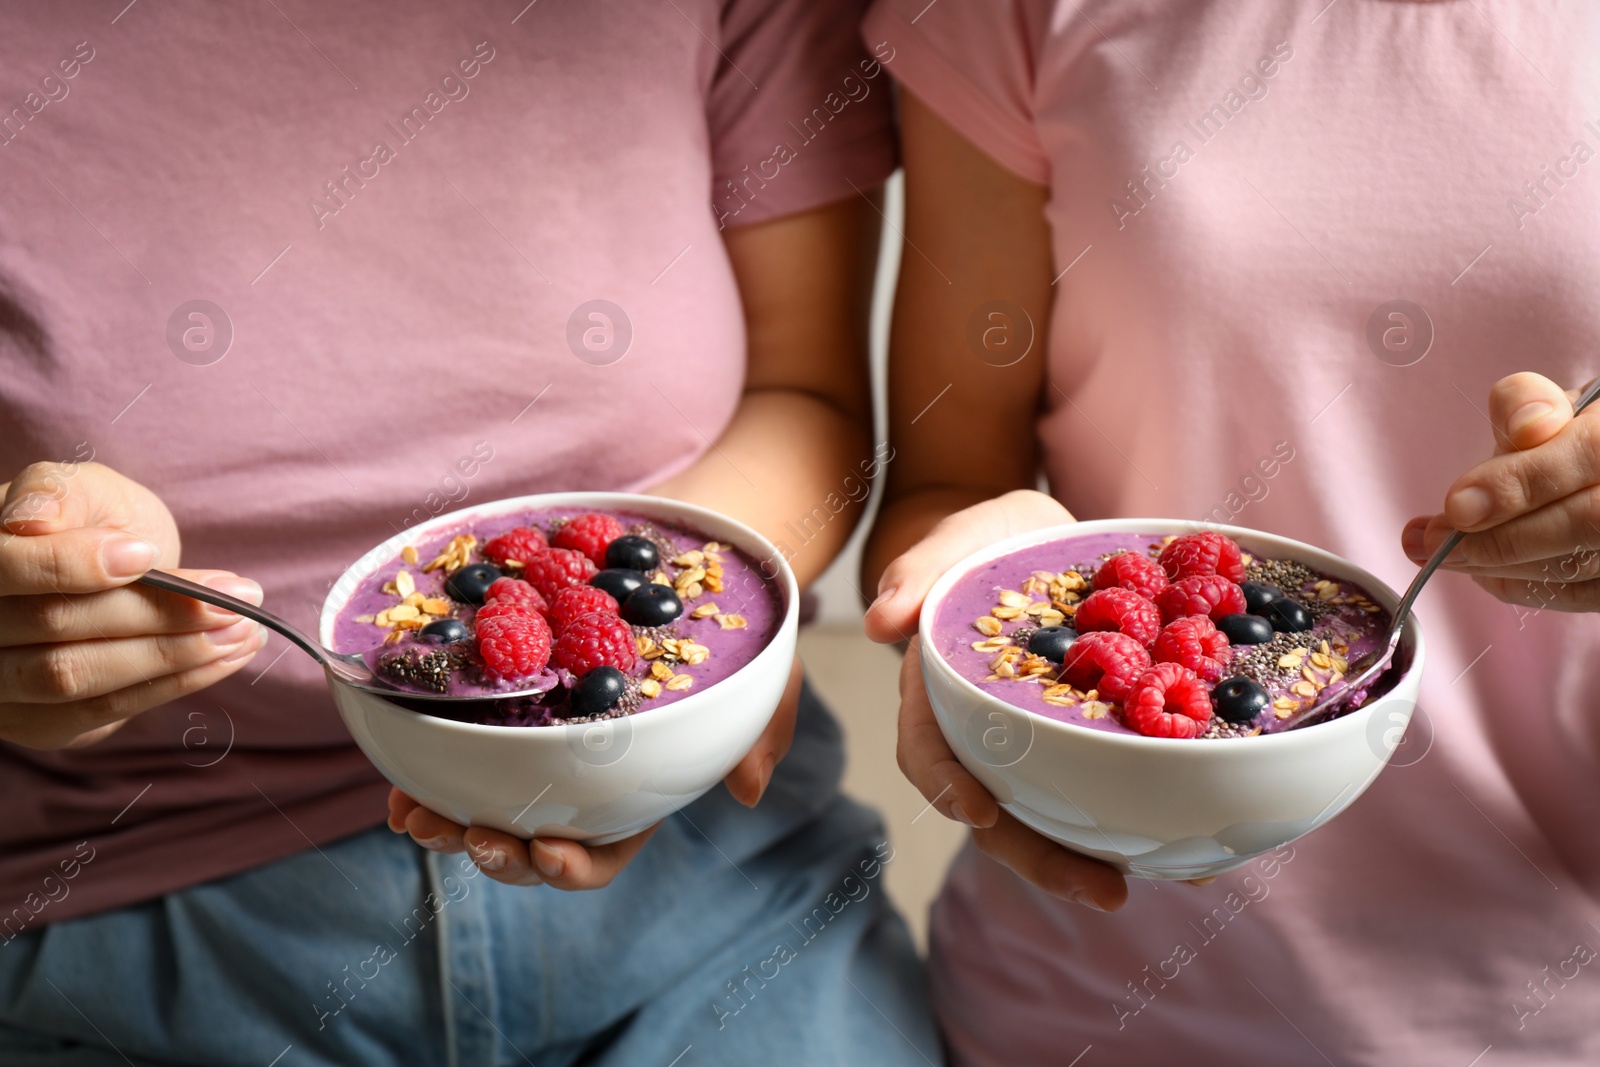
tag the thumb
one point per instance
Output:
(47, 498)
(905, 582)
(1527, 410)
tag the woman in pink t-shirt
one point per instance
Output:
(1195, 210)
(295, 276)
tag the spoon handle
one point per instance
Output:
(183, 587)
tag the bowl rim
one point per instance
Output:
(1411, 637)
(667, 509)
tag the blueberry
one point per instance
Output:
(651, 605)
(1289, 616)
(1239, 699)
(1052, 642)
(619, 582)
(598, 691)
(1258, 595)
(1245, 629)
(470, 583)
(445, 631)
(634, 553)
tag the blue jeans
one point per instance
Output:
(735, 936)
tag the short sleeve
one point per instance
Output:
(973, 64)
(799, 113)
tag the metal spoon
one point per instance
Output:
(1374, 663)
(349, 668)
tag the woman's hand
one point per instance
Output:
(82, 650)
(1532, 511)
(925, 757)
(568, 864)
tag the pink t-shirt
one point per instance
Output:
(1235, 189)
(400, 214)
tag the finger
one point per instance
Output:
(905, 582)
(129, 611)
(52, 497)
(1543, 595)
(80, 670)
(84, 560)
(925, 756)
(502, 857)
(400, 806)
(1521, 546)
(1515, 483)
(570, 865)
(1527, 410)
(86, 721)
(1058, 871)
(433, 831)
(1200, 882)
(748, 781)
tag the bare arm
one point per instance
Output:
(976, 233)
(805, 423)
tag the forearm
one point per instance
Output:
(791, 465)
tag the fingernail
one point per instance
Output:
(884, 596)
(1083, 897)
(548, 860)
(231, 635)
(1411, 541)
(488, 858)
(1469, 506)
(34, 506)
(236, 587)
(1526, 416)
(764, 777)
(127, 557)
(434, 844)
(959, 814)
(249, 648)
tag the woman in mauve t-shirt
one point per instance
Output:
(1200, 207)
(284, 278)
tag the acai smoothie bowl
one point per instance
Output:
(649, 642)
(1122, 687)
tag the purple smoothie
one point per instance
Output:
(736, 621)
(1292, 667)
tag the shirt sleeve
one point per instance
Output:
(799, 113)
(973, 63)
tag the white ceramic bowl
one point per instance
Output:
(596, 782)
(1158, 807)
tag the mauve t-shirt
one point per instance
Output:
(1235, 191)
(391, 221)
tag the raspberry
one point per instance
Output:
(1132, 570)
(1211, 595)
(1105, 661)
(576, 601)
(1206, 552)
(589, 534)
(1194, 642)
(513, 646)
(515, 591)
(556, 569)
(1168, 700)
(1121, 610)
(521, 544)
(504, 609)
(595, 640)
